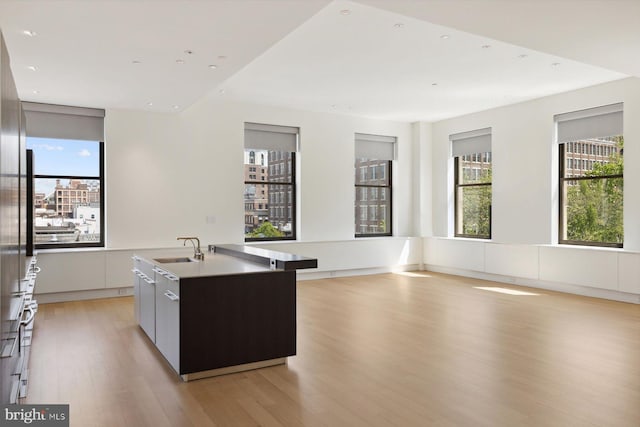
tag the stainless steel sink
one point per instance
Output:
(174, 260)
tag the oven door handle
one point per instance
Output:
(29, 318)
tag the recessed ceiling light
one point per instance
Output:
(188, 52)
(29, 33)
(522, 56)
(555, 64)
(179, 61)
(221, 91)
(150, 103)
(136, 62)
(222, 57)
(345, 12)
(434, 84)
(444, 36)
(32, 67)
(213, 66)
(398, 25)
(175, 107)
(35, 92)
(486, 46)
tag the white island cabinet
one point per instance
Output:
(168, 316)
(145, 296)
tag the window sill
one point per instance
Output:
(472, 239)
(585, 247)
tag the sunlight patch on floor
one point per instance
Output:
(411, 274)
(504, 290)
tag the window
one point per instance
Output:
(472, 183)
(373, 201)
(591, 194)
(68, 172)
(276, 200)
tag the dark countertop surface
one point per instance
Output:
(279, 260)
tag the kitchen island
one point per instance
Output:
(222, 314)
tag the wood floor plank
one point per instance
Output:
(391, 349)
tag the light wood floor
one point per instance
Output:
(422, 349)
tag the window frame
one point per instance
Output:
(457, 185)
(293, 205)
(562, 223)
(100, 178)
(389, 189)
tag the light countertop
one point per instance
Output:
(214, 264)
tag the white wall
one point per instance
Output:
(166, 173)
(525, 197)
(325, 183)
(525, 163)
(423, 178)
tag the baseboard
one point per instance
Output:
(83, 295)
(540, 284)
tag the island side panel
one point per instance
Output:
(236, 319)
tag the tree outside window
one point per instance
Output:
(591, 182)
(473, 195)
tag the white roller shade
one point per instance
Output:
(64, 122)
(376, 147)
(270, 137)
(590, 123)
(475, 141)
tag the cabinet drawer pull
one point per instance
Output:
(30, 317)
(171, 296)
(160, 272)
(149, 281)
(37, 270)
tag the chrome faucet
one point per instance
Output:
(197, 253)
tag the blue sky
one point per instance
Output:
(63, 157)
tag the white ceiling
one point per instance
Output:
(382, 59)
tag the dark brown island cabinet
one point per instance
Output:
(232, 311)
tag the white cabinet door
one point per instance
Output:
(136, 295)
(148, 306)
(145, 296)
(168, 317)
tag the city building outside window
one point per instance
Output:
(68, 179)
(591, 147)
(373, 184)
(270, 188)
(472, 183)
